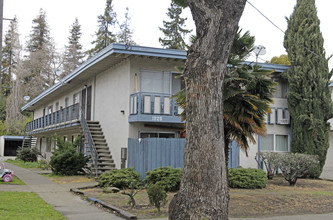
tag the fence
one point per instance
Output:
(149, 153)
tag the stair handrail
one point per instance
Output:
(89, 139)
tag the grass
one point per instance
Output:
(15, 181)
(26, 205)
(23, 164)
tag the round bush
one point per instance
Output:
(67, 161)
(27, 154)
(123, 178)
(247, 178)
(168, 177)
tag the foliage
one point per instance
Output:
(167, 177)
(282, 59)
(125, 34)
(309, 98)
(73, 56)
(40, 67)
(23, 164)
(26, 205)
(27, 154)
(247, 178)
(157, 196)
(123, 178)
(174, 31)
(269, 160)
(248, 97)
(104, 35)
(66, 160)
(294, 165)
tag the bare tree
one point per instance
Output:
(204, 189)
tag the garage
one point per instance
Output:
(9, 145)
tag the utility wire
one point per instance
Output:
(309, 50)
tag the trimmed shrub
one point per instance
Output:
(168, 177)
(27, 154)
(157, 196)
(295, 165)
(268, 159)
(247, 178)
(124, 178)
(66, 160)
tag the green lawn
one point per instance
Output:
(26, 205)
(15, 181)
(23, 164)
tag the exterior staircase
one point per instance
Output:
(29, 141)
(104, 157)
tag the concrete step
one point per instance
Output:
(101, 146)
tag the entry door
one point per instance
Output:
(86, 102)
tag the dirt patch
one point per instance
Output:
(277, 199)
(70, 179)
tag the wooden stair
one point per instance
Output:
(105, 162)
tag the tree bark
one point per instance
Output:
(204, 190)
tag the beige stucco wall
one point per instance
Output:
(112, 97)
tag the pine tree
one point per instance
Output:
(309, 99)
(105, 36)
(73, 56)
(9, 56)
(41, 64)
(174, 30)
(125, 34)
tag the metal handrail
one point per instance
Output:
(89, 139)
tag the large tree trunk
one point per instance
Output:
(204, 189)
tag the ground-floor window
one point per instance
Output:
(157, 134)
(274, 143)
(48, 144)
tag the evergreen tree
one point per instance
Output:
(74, 55)
(174, 30)
(125, 34)
(104, 35)
(9, 56)
(40, 66)
(309, 99)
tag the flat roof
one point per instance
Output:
(13, 137)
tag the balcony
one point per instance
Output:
(153, 107)
(63, 118)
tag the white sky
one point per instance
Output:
(148, 15)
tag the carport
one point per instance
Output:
(9, 145)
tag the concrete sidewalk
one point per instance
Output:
(70, 205)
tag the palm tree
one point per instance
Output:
(247, 94)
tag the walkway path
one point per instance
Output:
(59, 196)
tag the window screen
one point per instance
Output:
(267, 142)
(281, 142)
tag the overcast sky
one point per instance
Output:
(148, 15)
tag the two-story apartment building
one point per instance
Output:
(123, 93)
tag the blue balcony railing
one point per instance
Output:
(67, 114)
(153, 107)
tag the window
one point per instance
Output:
(48, 144)
(57, 106)
(155, 82)
(282, 88)
(267, 142)
(274, 143)
(157, 135)
(76, 98)
(281, 143)
(66, 102)
(50, 109)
